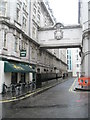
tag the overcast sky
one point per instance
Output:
(65, 11)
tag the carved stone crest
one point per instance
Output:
(58, 34)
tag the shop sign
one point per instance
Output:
(23, 53)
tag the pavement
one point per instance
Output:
(9, 96)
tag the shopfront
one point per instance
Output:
(13, 73)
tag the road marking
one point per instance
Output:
(71, 88)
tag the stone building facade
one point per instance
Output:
(20, 54)
(74, 62)
(84, 20)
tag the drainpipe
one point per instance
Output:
(29, 25)
(29, 30)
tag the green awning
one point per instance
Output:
(17, 67)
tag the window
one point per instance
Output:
(34, 17)
(34, 10)
(67, 51)
(39, 9)
(3, 7)
(23, 45)
(24, 7)
(38, 16)
(70, 67)
(39, 3)
(70, 62)
(76, 51)
(77, 65)
(16, 44)
(34, 4)
(24, 21)
(33, 31)
(77, 57)
(67, 61)
(33, 53)
(18, 11)
(5, 39)
(67, 56)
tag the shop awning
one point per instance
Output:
(17, 67)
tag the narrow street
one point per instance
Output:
(57, 102)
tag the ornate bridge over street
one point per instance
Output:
(60, 36)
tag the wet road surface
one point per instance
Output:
(57, 102)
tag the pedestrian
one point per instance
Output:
(33, 84)
(63, 75)
(4, 88)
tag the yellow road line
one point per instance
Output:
(71, 88)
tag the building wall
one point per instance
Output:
(19, 30)
(84, 21)
(62, 55)
(74, 61)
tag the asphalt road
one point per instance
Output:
(56, 102)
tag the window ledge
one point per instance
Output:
(5, 48)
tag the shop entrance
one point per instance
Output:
(13, 78)
(23, 78)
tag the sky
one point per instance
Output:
(65, 11)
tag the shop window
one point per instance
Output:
(13, 78)
(23, 78)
